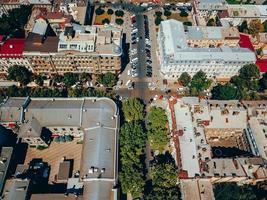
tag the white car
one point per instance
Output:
(129, 72)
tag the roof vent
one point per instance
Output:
(11, 46)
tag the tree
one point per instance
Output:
(158, 14)
(110, 11)
(133, 109)
(167, 13)
(249, 72)
(263, 82)
(84, 77)
(156, 128)
(56, 79)
(231, 191)
(225, 92)
(211, 22)
(14, 21)
(99, 11)
(108, 80)
(119, 21)
(199, 83)
(70, 79)
(185, 79)
(119, 13)
(187, 23)
(158, 21)
(255, 26)
(163, 174)
(105, 21)
(132, 142)
(39, 80)
(20, 74)
(243, 27)
(183, 13)
(132, 181)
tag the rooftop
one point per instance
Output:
(11, 47)
(16, 189)
(98, 118)
(177, 49)
(5, 156)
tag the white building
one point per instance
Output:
(176, 56)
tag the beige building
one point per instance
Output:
(204, 36)
(6, 5)
(77, 49)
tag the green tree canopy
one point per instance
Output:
(225, 92)
(105, 21)
(156, 127)
(231, 191)
(263, 82)
(84, 77)
(163, 174)
(70, 79)
(99, 11)
(185, 79)
(158, 21)
(20, 74)
(119, 13)
(39, 80)
(199, 83)
(211, 22)
(158, 13)
(119, 21)
(133, 109)
(183, 13)
(132, 181)
(132, 144)
(13, 23)
(108, 79)
(167, 13)
(250, 72)
(110, 11)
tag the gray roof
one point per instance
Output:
(178, 49)
(5, 156)
(97, 190)
(99, 147)
(16, 189)
(212, 5)
(98, 117)
(11, 109)
(32, 128)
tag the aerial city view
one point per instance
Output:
(133, 99)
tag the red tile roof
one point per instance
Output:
(12, 47)
(245, 42)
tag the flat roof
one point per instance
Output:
(175, 47)
(98, 118)
(16, 189)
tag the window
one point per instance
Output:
(63, 129)
(63, 46)
(73, 46)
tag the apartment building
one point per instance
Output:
(97, 119)
(177, 56)
(6, 5)
(76, 48)
(11, 50)
(204, 36)
(211, 142)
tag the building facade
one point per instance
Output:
(177, 56)
(77, 49)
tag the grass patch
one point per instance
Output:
(100, 18)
